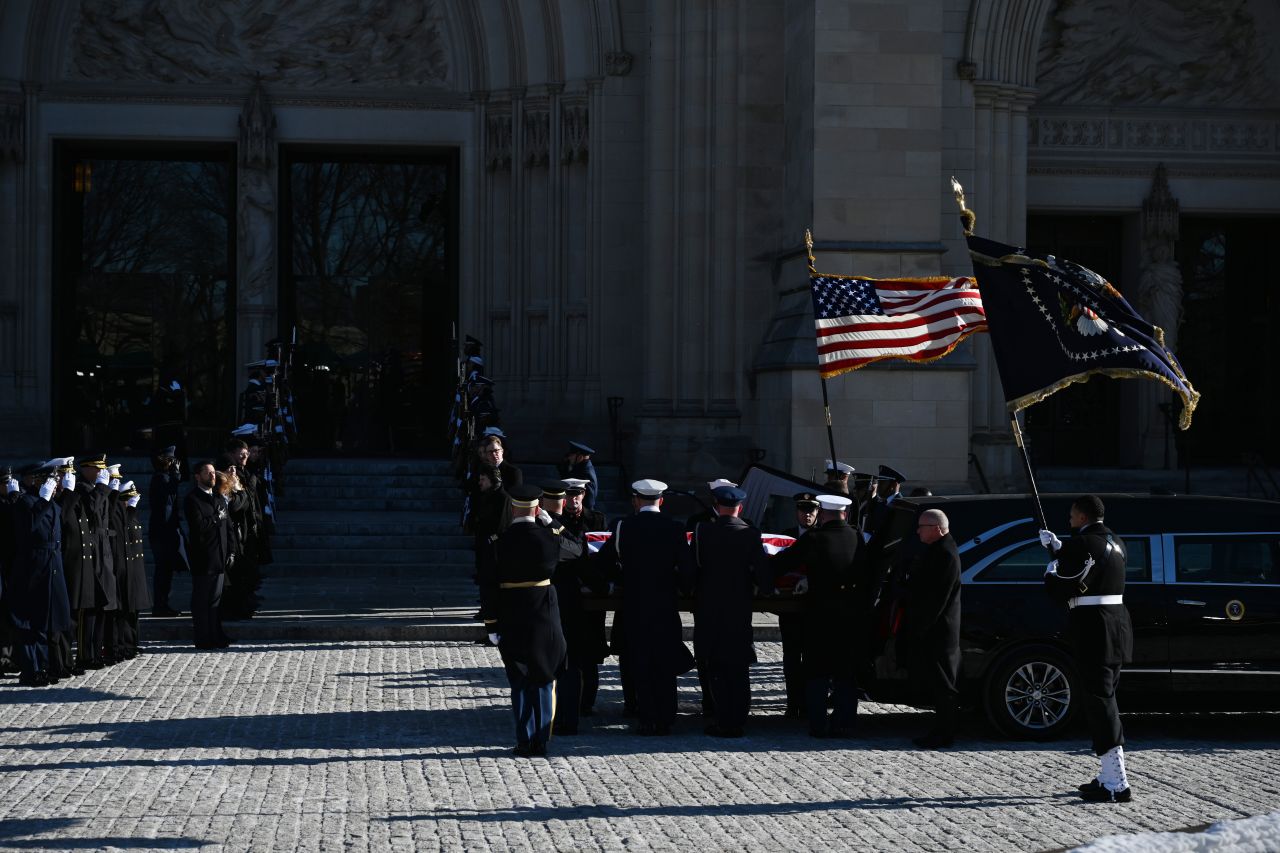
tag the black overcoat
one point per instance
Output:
(528, 614)
(37, 592)
(1099, 634)
(654, 555)
(209, 526)
(930, 633)
(590, 642)
(164, 530)
(134, 591)
(79, 545)
(728, 564)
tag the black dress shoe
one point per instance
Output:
(538, 750)
(1091, 785)
(165, 612)
(32, 680)
(646, 729)
(722, 731)
(95, 664)
(933, 741)
(791, 713)
(522, 750)
(76, 670)
(817, 733)
(1102, 794)
(204, 647)
(662, 729)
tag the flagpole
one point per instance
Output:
(826, 403)
(1026, 463)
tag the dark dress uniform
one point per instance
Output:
(134, 593)
(648, 553)
(791, 630)
(1091, 565)
(591, 645)
(35, 590)
(79, 547)
(728, 564)
(528, 623)
(212, 544)
(97, 592)
(571, 575)
(831, 632)
(931, 631)
(168, 548)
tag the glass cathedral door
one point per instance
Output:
(370, 281)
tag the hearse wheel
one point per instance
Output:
(1031, 694)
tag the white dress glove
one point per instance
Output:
(69, 481)
(801, 587)
(11, 485)
(115, 484)
(1048, 540)
(495, 638)
(544, 517)
(46, 491)
(104, 477)
(133, 501)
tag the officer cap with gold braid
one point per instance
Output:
(524, 496)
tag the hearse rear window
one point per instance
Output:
(1228, 559)
(1028, 563)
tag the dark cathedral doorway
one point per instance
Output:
(143, 332)
(369, 281)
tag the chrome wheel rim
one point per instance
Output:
(1037, 695)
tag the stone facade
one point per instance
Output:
(635, 177)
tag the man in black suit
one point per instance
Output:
(525, 624)
(209, 526)
(728, 565)
(931, 632)
(1087, 575)
(831, 632)
(646, 555)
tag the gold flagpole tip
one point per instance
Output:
(967, 217)
(808, 246)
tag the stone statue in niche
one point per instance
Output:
(308, 43)
(1160, 287)
(1211, 53)
(256, 205)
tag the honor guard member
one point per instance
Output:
(568, 581)
(729, 567)
(527, 628)
(10, 496)
(212, 543)
(164, 531)
(594, 641)
(931, 631)
(888, 489)
(116, 628)
(97, 594)
(1087, 574)
(827, 553)
(77, 546)
(837, 478)
(135, 596)
(708, 513)
(791, 625)
(648, 554)
(577, 465)
(35, 590)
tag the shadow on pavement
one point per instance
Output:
(16, 835)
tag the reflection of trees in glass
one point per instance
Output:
(151, 298)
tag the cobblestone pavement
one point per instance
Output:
(405, 746)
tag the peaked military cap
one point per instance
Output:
(553, 489)
(171, 450)
(839, 467)
(648, 488)
(728, 495)
(574, 486)
(579, 447)
(834, 503)
(524, 496)
(93, 460)
(808, 499)
(887, 473)
(715, 484)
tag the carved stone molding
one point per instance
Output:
(1210, 53)
(537, 136)
(306, 43)
(574, 133)
(257, 131)
(1227, 135)
(498, 142)
(12, 129)
(617, 63)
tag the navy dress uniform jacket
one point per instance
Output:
(1098, 633)
(728, 564)
(37, 591)
(828, 553)
(528, 612)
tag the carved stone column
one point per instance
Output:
(1160, 301)
(256, 232)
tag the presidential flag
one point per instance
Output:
(1053, 322)
(861, 320)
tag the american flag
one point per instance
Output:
(861, 320)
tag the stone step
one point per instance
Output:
(378, 542)
(412, 467)
(375, 556)
(293, 481)
(339, 493)
(451, 579)
(290, 504)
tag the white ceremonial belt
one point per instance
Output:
(1085, 600)
(524, 584)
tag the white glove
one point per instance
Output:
(46, 491)
(69, 480)
(544, 517)
(11, 485)
(801, 587)
(133, 501)
(174, 386)
(104, 477)
(1052, 568)
(495, 638)
(1048, 540)
(115, 484)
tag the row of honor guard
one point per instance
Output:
(539, 568)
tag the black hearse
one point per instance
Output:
(1203, 591)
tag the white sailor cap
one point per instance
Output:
(840, 466)
(715, 484)
(575, 483)
(834, 503)
(648, 488)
